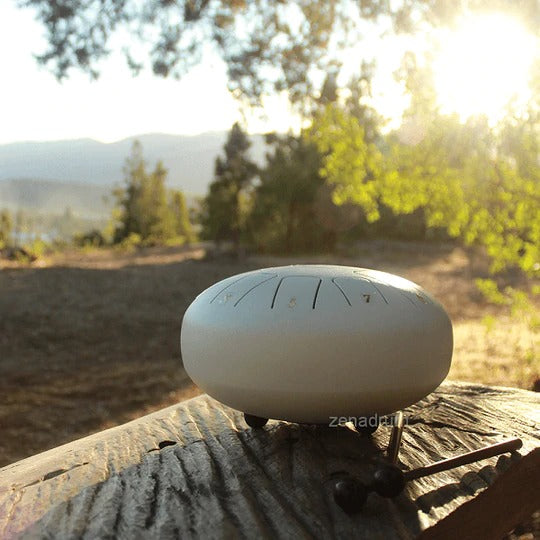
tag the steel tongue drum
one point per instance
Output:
(307, 343)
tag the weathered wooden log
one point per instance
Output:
(196, 470)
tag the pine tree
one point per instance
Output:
(224, 208)
(182, 225)
(129, 197)
(6, 228)
(283, 216)
(158, 218)
(145, 212)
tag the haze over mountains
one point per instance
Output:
(50, 176)
(50, 197)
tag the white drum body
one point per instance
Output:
(307, 343)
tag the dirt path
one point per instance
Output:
(88, 341)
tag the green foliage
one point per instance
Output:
(489, 322)
(427, 173)
(485, 197)
(36, 248)
(6, 227)
(216, 210)
(146, 211)
(481, 184)
(28, 223)
(350, 164)
(90, 239)
(511, 230)
(182, 224)
(490, 291)
(225, 208)
(267, 45)
(283, 216)
(130, 242)
(293, 209)
(522, 308)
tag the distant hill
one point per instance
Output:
(189, 159)
(50, 197)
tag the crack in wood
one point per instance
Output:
(439, 424)
(281, 495)
(120, 507)
(52, 474)
(151, 516)
(96, 490)
(9, 515)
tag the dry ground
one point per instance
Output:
(88, 341)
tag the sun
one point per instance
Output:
(482, 65)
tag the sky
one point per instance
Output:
(34, 106)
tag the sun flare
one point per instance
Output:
(483, 64)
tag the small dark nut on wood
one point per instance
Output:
(388, 480)
(367, 425)
(350, 495)
(255, 421)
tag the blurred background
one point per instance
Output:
(149, 148)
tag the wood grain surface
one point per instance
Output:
(195, 470)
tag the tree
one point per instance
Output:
(267, 45)
(6, 228)
(129, 197)
(146, 211)
(481, 184)
(182, 224)
(225, 206)
(21, 225)
(283, 216)
(349, 164)
(160, 222)
(358, 92)
(292, 209)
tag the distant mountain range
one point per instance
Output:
(49, 197)
(50, 176)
